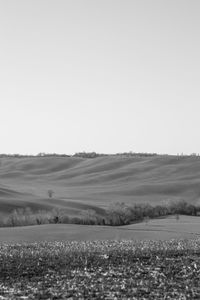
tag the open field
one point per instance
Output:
(81, 183)
(156, 229)
(66, 261)
(101, 270)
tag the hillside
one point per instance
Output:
(157, 229)
(82, 183)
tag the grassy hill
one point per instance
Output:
(158, 229)
(82, 183)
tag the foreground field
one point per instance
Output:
(101, 270)
(155, 229)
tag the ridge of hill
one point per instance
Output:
(81, 183)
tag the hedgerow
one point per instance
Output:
(116, 214)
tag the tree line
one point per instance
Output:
(117, 214)
(95, 155)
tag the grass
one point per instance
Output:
(155, 260)
(81, 183)
(156, 229)
(101, 270)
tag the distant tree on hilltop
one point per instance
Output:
(50, 193)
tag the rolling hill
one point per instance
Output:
(158, 229)
(84, 183)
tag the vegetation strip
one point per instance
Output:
(116, 214)
(101, 270)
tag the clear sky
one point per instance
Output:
(99, 75)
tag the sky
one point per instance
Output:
(99, 75)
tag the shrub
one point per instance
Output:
(118, 214)
(115, 215)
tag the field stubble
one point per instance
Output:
(101, 270)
